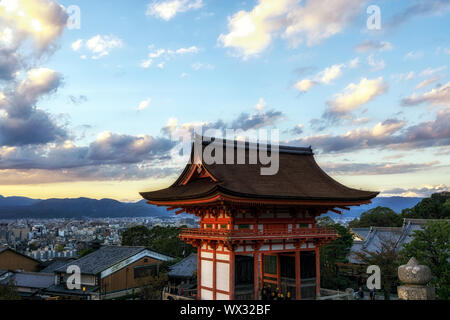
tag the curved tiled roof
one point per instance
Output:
(299, 178)
(186, 268)
(106, 257)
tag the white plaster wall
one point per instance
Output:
(224, 257)
(222, 276)
(206, 294)
(207, 255)
(207, 274)
(221, 296)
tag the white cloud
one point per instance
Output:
(425, 83)
(261, 105)
(304, 85)
(198, 65)
(436, 97)
(101, 46)
(413, 55)
(166, 54)
(430, 71)
(77, 45)
(421, 191)
(326, 76)
(144, 104)
(251, 32)
(192, 49)
(354, 63)
(403, 76)
(43, 20)
(370, 45)
(357, 94)
(330, 73)
(376, 65)
(166, 10)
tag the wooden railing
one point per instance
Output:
(252, 234)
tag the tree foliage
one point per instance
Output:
(377, 217)
(388, 259)
(160, 239)
(431, 247)
(150, 287)
(435, 207)
(333, 253)
(136, 236)
(8, 292)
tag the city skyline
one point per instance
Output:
(89, 111)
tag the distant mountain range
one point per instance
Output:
(395, 203)
(22, 207)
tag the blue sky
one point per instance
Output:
(374, 104)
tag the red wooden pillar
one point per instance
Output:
(255, 275)
(317, 272)
(199, 271)
(214, 271)
(262, 270)
(232, 278)
(278, 272)
(298, 291)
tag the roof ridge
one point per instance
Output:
(259, 145)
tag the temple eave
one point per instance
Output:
(222, 199)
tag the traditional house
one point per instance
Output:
(13, 260)
(183, 278)
(29, 285)
(110, 272)
(255, 229)
(372, 239)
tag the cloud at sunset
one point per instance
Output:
(310, 22)
(168, 9)
(95, 108)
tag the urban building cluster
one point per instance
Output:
(46, 239)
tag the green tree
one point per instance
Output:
(85, 252)
(136, 236)
(377, 217)
(161, 239)
(435, 207)
(150, 287)
(388, 259)
(333, 253)
(431, 247)
(8, 292)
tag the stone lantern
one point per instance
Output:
(415, 278)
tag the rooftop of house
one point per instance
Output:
(4, 249)
(51, 266)
(35, 280)
(374, 237)
(108, 256)
(186, 268)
